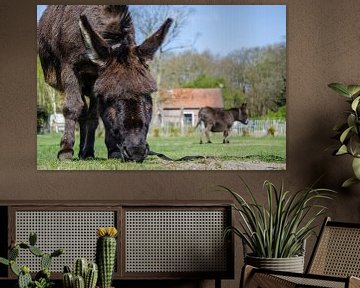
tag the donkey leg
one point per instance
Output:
(87, 151)
(113, 150)
(82, 123)
(207, 130)
(73, 106)
(226, 134)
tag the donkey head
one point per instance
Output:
(124, 83)
(243, 114)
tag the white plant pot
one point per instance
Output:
(291, 264)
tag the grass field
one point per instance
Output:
(237, 155)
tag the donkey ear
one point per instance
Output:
(97, 48)
(148, 48)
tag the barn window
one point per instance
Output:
(188, 118)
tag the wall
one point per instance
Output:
(323, 43)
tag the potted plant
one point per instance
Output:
(348, 133)
(276, 233)
(42, 278)
(84, 274)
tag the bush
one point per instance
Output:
(271, 131)
(156, 132)
(174, 131)
(245, 132)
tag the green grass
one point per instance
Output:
(267, 149)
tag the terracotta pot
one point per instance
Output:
(291, 264)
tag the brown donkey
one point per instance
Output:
(220, 120)
(90, 50)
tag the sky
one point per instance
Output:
(221, 29)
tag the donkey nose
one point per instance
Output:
(135, 153)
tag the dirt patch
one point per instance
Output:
(213, 164)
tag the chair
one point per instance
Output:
(334, 263)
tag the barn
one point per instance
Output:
(180, 106)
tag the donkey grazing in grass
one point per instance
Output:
(220, 120)
(90, 50)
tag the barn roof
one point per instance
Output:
(191, 98)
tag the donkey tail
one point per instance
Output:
(198, 123)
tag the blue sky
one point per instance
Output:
(224, 28)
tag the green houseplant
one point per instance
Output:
(275, 234)
(348, 132)
(106, 254)
(42, 278)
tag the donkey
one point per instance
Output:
(220, 120)
(90, 50)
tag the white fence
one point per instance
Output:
(254, 128)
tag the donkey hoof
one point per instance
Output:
(201, 142)
(87, 156)
(66, 154)
(209, 142)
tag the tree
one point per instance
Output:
(266, 77)
(147, 19)
(48, 98)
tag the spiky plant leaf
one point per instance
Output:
(280, 228)
(341, 89)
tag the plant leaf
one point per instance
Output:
(340, 88)
(345, 134)
(356, 167)
(342, 150)
(351, 120)
(349, 182)
(353, 89)
(340, 127)
(354, 145)
(4, 261)
(355, 103)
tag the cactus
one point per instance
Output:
(45, 261)
(79, 282)
(68, 280)
(14, 268)
(80, 267)
(4, 261)
(13, 253)
(24, 278)
(44, 273)
(32, 239)
(91, 276)
(87, 272)
(105, 254)
(57, 252)
(36, 251)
